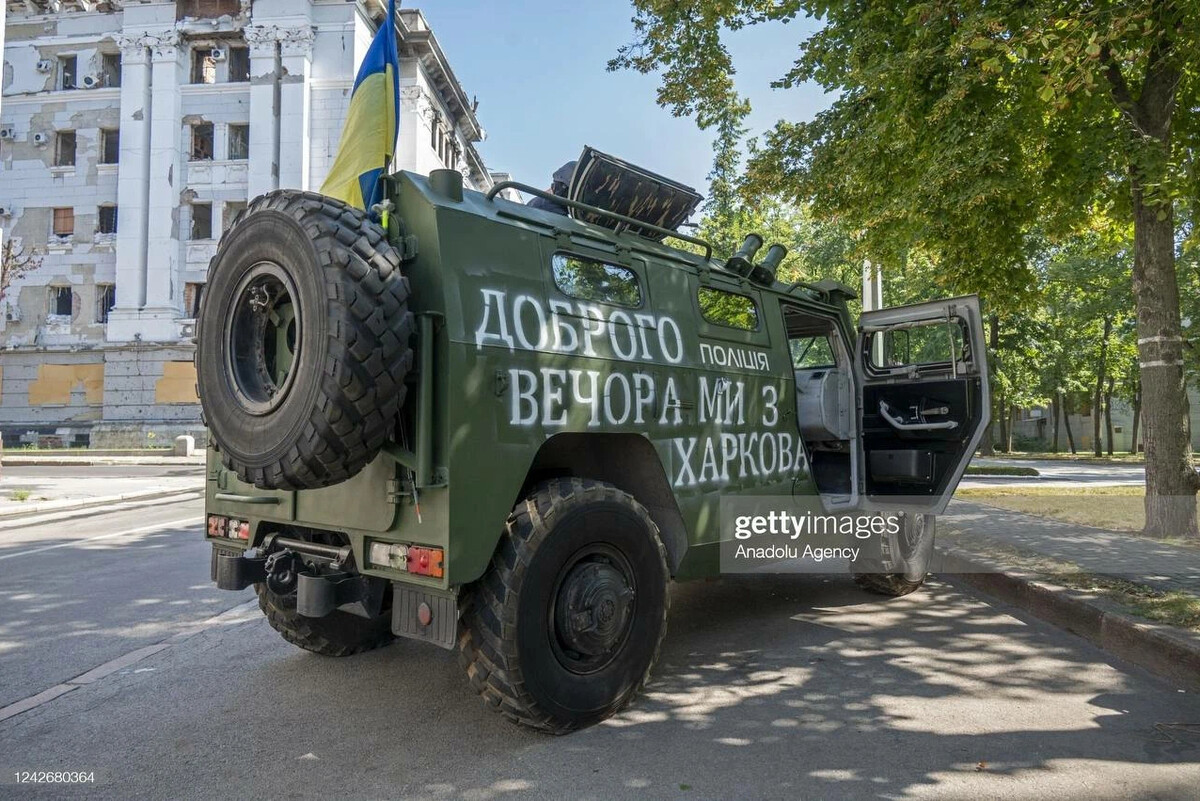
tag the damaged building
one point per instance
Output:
(131, 134)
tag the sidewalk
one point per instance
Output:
(84, 459)
(1121, 554)
(62, 493)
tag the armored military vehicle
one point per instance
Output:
(506, 430)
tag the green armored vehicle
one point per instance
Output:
(505, 430)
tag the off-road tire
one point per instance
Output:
(896, 570)
(505, 614)
(353, 330)
(337, 634)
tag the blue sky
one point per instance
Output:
(538, 69)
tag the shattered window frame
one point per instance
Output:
(239, 64)
(62, 223)
(106, 218)
(106, 301)
(68, 71)
(66, 146)
(239, 133)
(110, 146)
(201, 229)
(204, 66)
(59, 294)
(202, 132)
(110, 69)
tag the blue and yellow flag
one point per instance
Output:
(369, 135)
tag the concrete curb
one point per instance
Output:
(1172, 653)
(50, 507)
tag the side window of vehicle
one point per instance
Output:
(588, 279)
(810, 353)
(728, 309)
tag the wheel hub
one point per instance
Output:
(593, 611)
(263, 339)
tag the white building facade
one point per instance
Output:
(131, 135)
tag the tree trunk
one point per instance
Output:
(988, 446)
(1097, 397)
(1171, 479)
(1056, 410)
(1004, 440)
(1108, 426)
(1067, 425)
(1012, 424)
(1137, 417)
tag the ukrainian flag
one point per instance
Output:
(369, 135)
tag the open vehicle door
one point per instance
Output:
(923, 400)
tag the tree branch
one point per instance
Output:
(1118, 88)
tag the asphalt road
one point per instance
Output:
(768, 687)
(1059, 473)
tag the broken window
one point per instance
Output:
(192, 295)
(61, 300)
(202, 227)
(202, 141)
(204, 65)
(108, 220)
(207, 9)
(64, 149)
(110, 69)
(67, 72)
(239, 142)
(239, 64)
(64, 222)
(106, 299)
(110, 146)
(232, 209)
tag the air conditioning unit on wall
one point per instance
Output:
(7, 132)
(5, 211)
(217, 54)
(45, 65)
(41, 138)
(91, 81)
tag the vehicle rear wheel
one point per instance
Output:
(903, 561)
(303, 342)
(337, 634)
(564, 628)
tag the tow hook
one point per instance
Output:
(282, 568)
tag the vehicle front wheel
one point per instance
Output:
(903, 560)
(563, 629)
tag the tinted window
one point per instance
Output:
(728, 308)
(594, 280)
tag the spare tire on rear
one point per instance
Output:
(303, 342)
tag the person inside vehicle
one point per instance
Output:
(560, 182)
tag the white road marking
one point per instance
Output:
(195, 520)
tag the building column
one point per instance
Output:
(163, 239)
(295, 46)
(263, 174)
(132, 183)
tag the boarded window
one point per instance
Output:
(110, 69)
(67, 70)
(108, 220)
(193, 293)
(202, 142)
(64, 149)
(239, 142)
(232, 209)
(204, 66)
(207, 9)
(587, 279)
(106, 299)
(61, 301)
(239, 64)
(728, 309)
(202, 227)
(64, 222)
(110, 146)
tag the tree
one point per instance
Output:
(15, 262)
(960, 128)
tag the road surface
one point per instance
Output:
(1062, 474)
(768, 687)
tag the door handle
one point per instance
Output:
(897, 423)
